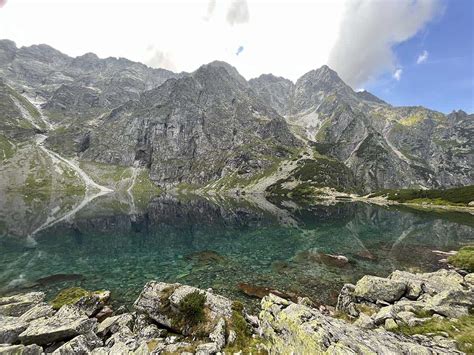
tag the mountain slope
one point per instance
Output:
(194, 130)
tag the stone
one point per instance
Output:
(160, 301)
(207, 349)
(124, 336)
(432, 282)
(151, 331)
(218, 334)
(405, 316)
(294, 328)
(10, 329)
(112, 325)
(346, 300)
(232, 337)
(32, 349)
(469, 279)
(383, 314)
(93, 303)
(82, 344)
(104, 313)
(390, 324)
(68, 322)
(373, 288)
(40, 310)
(365, 322)
(176, 348)
(452, 303)
(16, 305)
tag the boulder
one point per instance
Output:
(346, 301)
(452, 304)
(10, 329)
(67, 323)
(16, 305)
(20, 349)
(364, 322)
(160, 302)
(390, 324)
(40, 310)
(373, 288)
(207, 349)
(112, 325)
(218, 334)
(294, 328)
(432, 282)
(82, 344)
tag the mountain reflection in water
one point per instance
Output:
(217, 243)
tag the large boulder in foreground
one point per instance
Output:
(67, 323)
(16, 305)
(373, 288)
(299, 329)
(163, 302)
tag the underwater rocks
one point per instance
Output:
(262, 291)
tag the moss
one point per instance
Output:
(461, 330)
(464, 258)
(244, 342)
(191, 308)
(68, 296)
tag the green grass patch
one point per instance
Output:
(461, 330)
(463, 259)
(458, 196)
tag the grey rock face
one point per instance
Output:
(194, 129)
(82, 344)
(10, 329)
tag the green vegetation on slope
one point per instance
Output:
(464, 258)
(458, 196)
(461, 329)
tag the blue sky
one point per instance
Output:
(445, 80)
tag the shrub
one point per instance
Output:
(191, 307)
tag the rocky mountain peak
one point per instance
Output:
(216, 68)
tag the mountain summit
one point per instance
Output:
(212, 129)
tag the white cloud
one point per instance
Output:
(397, 74)
(423, 57)
(238, 12)
(284, 37)
(368, 32)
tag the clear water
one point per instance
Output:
(217, 244)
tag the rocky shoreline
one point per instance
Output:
(377, 315)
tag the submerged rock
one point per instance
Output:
(262, 291)
(57, 278)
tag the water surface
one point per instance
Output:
(216, 243)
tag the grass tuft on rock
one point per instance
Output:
(463, 259)
(461, 330)
(68, 296)
(191, 307)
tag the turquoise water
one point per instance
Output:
(218, 244)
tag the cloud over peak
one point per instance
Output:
(368, 32)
